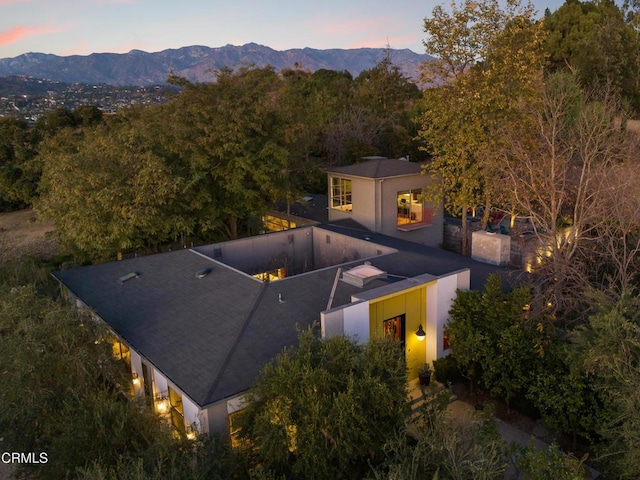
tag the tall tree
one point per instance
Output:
(108, 190)
(232, 140)
(594, 39)
(488, 61)
(559, 161)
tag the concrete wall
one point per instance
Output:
(291, 249)
(491, 248)
(330, 248)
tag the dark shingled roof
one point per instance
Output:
(379, 167)
(211, 336)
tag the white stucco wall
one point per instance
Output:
(356, 321)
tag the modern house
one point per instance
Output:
(389, 196)
(197, 325)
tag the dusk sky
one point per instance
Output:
(81, 27)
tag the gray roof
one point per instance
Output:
(211, 336)
(379, 167)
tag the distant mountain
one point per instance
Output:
(195, 63)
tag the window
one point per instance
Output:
(121, 352)
(277, 224)
(394, 328)
(177, 412)
(341, 194)
(412, 212)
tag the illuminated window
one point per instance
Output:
(394, 328)
(412, 210)
(277, 224)
(341, 194)
(177, 411)
(234, 431)
(121, 351)
(271, 275)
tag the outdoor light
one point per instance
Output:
(420, 333)
(162, 406)
(136, 380)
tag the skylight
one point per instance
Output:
(362, 274)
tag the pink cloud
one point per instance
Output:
(17, 33)
(4, 3)
(351, 27)
(379, 42)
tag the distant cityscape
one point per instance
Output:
(30, 98)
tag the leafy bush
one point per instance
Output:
(447, 370)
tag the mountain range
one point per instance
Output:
(195, 63)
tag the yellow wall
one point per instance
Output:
(411, 303)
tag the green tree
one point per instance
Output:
(18, 179)
(65, 395)
(445, 448)
(594, 39)
(108, 190)
(548, 464)
(495, 339)
(229, 134)
(323, 409)
(391, 97)
(610, 351)
(488, 61)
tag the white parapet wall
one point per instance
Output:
(492, 248)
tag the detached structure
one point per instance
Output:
(387, 196)
(197, 325)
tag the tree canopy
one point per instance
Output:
(322, 409)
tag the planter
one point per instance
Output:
(425, 379)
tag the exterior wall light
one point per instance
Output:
(136, 379)
(420, 333)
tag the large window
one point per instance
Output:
(412, 210)
(341, 194)
(177, 411)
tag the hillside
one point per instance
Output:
(138, 68)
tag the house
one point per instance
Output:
(196, 325)
(389, 196)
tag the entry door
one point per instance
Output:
(394, 328)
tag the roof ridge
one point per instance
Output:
(234, 347)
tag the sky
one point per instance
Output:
(82, 27)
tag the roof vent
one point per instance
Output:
(128, 276)
(203, 273)
(362, 274)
